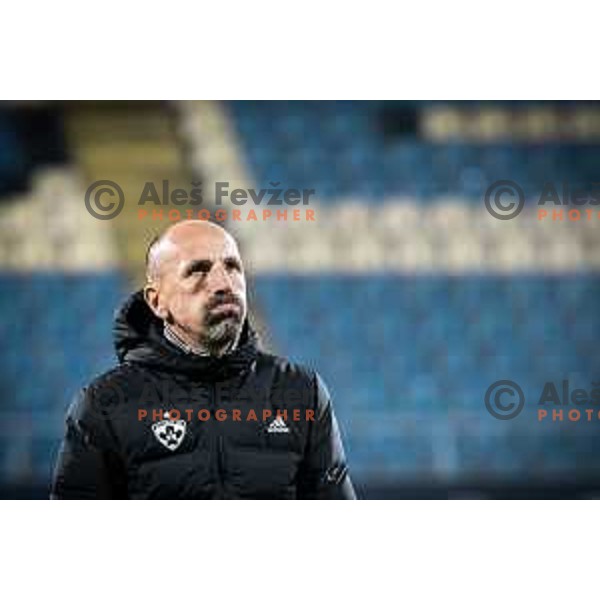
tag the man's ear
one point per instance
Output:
(152, 297)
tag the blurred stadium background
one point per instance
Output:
(406, 295)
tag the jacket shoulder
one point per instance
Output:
(120, 372)
(294, 379)
(101, 396)
(287, 368)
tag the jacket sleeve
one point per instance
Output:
(88, 466)
(324, 472)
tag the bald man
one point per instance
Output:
(195, 409)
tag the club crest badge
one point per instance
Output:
(169, 433)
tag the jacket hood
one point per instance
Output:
(138, 337)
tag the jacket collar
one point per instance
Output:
(139, 338)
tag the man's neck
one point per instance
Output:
(194, 348)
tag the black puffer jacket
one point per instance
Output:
(165, 424)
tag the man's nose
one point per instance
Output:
(220, 280)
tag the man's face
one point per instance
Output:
(201, 289)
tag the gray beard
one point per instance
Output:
(221, 338)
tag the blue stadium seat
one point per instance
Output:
(59, 336)
(341, 149)
(398, 346)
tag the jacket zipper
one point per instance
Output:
(218, 448)
(220, 460)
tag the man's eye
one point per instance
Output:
(198, 268)
(233, 264)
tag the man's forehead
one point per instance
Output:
(188, 242)
(173, 253)
(204, 247)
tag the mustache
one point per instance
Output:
(227, 298)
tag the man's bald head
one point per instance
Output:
(195, 283)
(163, 245)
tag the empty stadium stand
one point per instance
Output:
(411, 300)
